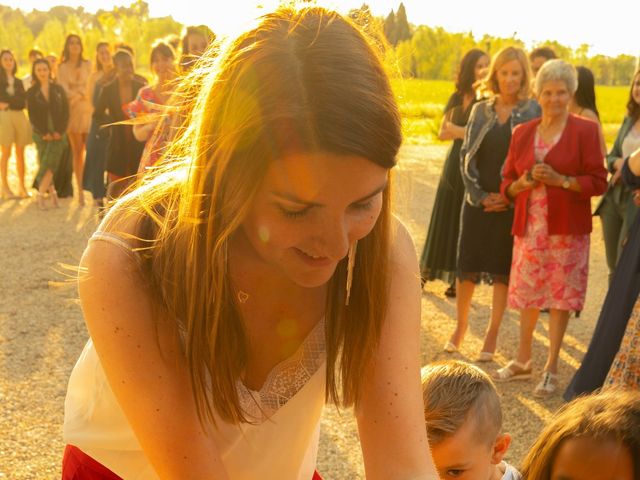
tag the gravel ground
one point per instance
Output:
(42, 333)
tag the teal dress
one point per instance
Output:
(50, 153)
(438, 259)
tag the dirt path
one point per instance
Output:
(42, 332)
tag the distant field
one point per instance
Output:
(422, 101)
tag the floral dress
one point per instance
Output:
(625, 369)
(148, 104)
(547, 271)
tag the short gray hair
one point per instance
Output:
(557, 70)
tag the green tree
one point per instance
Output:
(16, 36)
(403, 30)
(51, 37)
(390, 28)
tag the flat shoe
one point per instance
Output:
(450, 348)
(547, 385)
(451, 291)
(485, 357)
(513, 371)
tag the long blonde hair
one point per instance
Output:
(302, 81)
(489, 85)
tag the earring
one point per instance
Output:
(351, 261)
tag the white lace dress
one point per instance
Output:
(281, 444)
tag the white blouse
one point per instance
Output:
(280, 444)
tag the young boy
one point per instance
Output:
(464, 421)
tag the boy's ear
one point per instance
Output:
(500, 448)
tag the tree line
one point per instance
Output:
(415, 51)
(46, 31)
(432, 53)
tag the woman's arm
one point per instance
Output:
(63, 80)
(142, 359)
(391, 413)
(449, 130)
(591, 115)
(468, 163)
(18, 101)
(614, 159)
(592, 179)
(64, 112)
(634, 163)
(34, 111)
(142, 131)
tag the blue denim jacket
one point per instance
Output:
(482, 118)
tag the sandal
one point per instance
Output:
(485, 357)
(513, 371)
(547, 385)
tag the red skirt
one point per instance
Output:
(77, 465)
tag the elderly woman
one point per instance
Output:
(554, 166)
(485, 243)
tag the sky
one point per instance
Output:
(609, 31)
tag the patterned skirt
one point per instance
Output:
(625, 369)
(547, 271)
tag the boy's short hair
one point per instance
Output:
(545, 52)
(455, 392)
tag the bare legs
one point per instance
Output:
(4, 172)
(498, 306)
(558, 321)
(78, 142)
(20, 169)
(46, 185)
(465, 291)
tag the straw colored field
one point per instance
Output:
(422, 101)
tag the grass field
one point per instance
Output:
(422, 101)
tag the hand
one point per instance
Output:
(636, 197)
(47, 137)
(494, 203)
(4, 105)
(615, 178)
(56, 136)
(547, 175)
(525, 182)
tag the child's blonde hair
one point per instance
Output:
(453, 393)
(610, 415)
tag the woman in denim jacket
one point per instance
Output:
(485, 242)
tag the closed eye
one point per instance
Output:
(294, 213)
(363, 205)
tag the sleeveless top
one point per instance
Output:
(281, 442)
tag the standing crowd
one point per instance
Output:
(513, 209)
(98, 122)
(261, 273)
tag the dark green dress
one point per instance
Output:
(438, 260)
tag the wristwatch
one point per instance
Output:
(566, 183)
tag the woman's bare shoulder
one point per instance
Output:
(403, 250)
